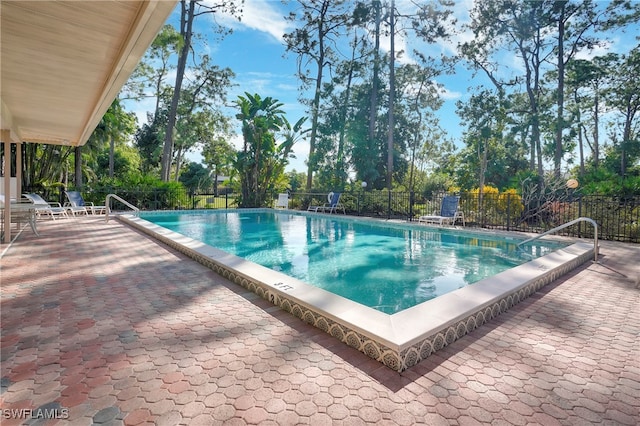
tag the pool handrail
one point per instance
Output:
(126, 203)
(565, 225)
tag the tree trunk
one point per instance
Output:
(112, 149)
(374, 83)
(186, 25)
(559, 119)
(315, 106)
(392, 88)
(596, 132)
(78, 168)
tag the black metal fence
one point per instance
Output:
(164, 198)
(618, 218)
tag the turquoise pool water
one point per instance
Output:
(388, 268)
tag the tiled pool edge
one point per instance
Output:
(397, 355)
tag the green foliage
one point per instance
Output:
(148, 140)
(196, 178)
(112, 133)
(126, 160)
(261, 161)
(604, 182)
(297, 180)
(43, 166)
(436, 183)
(146, 192)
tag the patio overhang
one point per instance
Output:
(64, 62)
(62, 65)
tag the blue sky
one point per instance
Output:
(256, 54)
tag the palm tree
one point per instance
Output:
(261, 161)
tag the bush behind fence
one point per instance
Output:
(618, 217)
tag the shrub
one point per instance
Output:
(510, 203)
(143, 191)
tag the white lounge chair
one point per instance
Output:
(78, 205)
(332, 206)
(449, 212)
(46, 208)
(283, 201)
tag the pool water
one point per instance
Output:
(388, 268)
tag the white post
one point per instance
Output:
(4, 135)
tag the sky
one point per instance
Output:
(256, 53)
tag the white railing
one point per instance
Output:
(565, 225)
(126, 203)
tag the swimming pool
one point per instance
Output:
(398, 340)
(388, 268)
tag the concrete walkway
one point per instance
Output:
(102, 325)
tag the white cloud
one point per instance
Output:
(259, 15)
(449, 95)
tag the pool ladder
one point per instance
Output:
(565, 225)
(126, 203)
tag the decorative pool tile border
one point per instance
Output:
(396, 359)
(419, 351)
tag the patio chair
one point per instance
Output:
(46, 208)
(449, 212)
(283, 201)
(78, 205)
(332, 206)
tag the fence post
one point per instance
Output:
(508, 211)
(411, 201)
(579, 215)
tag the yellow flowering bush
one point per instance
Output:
(511, 202)
(496, 204)
(489, 198)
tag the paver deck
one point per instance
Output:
(103, 325)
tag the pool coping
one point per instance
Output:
(399, 340)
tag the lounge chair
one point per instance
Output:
(332, 206)
(283, 201)
(449, 212)
(78, 205)
(46, 208)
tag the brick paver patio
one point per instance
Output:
(103, 325)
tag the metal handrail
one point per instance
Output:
(565, 225)
(126, 203)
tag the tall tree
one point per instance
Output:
(189, 10)
(586, 81)
(322, 23)
(392, 93)
(199, 108)
(218, 157)
(577, 25)
(518, 27)
(262, 160)
(624, 98)
(149, 78)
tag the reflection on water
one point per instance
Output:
(389, 269)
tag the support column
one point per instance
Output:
(6, 140)
(18, 170)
